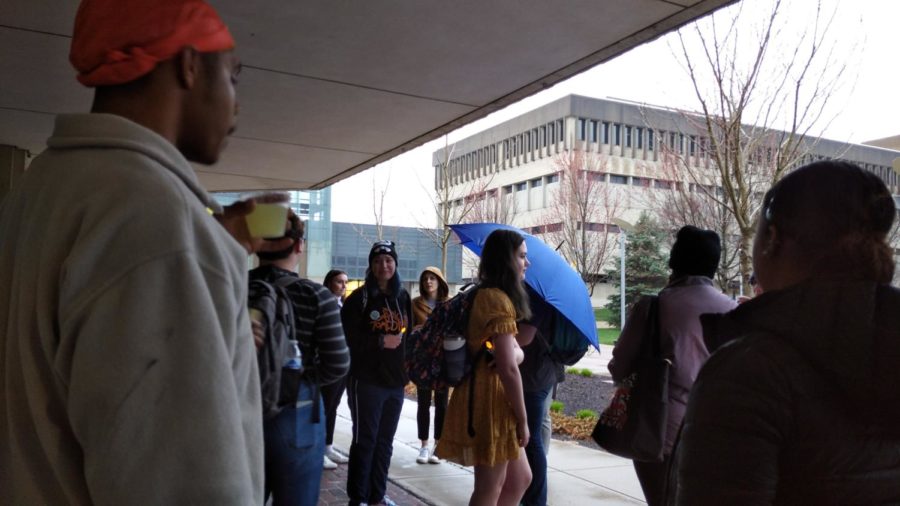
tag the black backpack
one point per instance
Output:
(430, 361)
(279, 386)
(434, 363)
(563, 341)
(567, 344)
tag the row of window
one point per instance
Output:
(885, 173)
(508, 190)
(556, 227)
(637, 137)
(480, 162)
(485, 160)
(518, 190)
(617, 134)
(536, 138)
(488, 159)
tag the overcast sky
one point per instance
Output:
(865, 106)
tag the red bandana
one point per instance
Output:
(118, 41)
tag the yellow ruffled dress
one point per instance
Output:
(493, 419)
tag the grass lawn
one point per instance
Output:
(606, 336)
(601, 314)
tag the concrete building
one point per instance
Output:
(351, 243)
(513, 168)
(313, 207)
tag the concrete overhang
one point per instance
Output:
(331, 88)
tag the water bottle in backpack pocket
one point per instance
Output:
(280, 359)
(291, 374)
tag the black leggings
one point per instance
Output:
(331, 397)
(423, 416)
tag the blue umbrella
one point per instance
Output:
(549, 275)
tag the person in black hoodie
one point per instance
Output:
(376, 319)
(800, 404)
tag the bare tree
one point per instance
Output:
(459, 198)
(579, 211)
(378, 197)
(760, 111)
(677, 203)
(489, 205)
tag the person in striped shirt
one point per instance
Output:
(295, 438)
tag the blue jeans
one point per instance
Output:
(294, 447)
(536, 494)
(375, 411)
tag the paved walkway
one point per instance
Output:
(596, 361)
(577, 475)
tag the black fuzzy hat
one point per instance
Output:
(383, 248)
(696, 252)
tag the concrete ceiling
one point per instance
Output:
(333, 87)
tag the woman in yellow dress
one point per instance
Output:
(498, 412)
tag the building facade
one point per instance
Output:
(635, 154)
(351, 243)
(313, 207)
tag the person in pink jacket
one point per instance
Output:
(690, 293)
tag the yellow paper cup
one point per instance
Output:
(268, 219)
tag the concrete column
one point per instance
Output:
(12, 166)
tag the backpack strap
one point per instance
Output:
(309, 373)
(470, 427)
(470, 294)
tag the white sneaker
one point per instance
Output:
(335, 457)
(328, 464)
(434, 459)
(423, 455)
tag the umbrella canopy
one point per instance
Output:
(549, 275)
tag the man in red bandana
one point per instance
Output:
(127, 371)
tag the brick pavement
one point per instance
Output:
(332, 491)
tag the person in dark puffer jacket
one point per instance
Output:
(800, 404)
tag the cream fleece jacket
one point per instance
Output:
(127, 368)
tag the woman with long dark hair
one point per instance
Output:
(498, 418)
(800, 404)
(336, 282)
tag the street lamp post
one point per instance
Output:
(622, 235)
(624, 229)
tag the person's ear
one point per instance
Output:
(187, 65)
